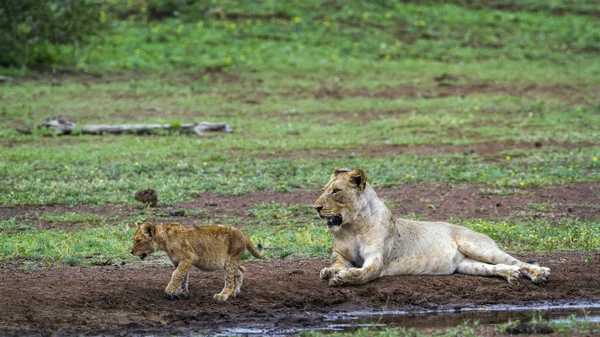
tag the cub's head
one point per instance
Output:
(339, 203)
(143, 239)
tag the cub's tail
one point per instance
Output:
(256, 253)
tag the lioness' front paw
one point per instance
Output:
(221, 297)
(339, 278)
(328, 273)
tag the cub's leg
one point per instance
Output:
(231, 268)
(479, 247)
(184, 282)
(239, 279)
(472, 267)
(177, 287)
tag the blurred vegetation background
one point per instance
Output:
(225, 34)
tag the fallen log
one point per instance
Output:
(62, 126)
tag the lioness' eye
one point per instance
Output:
(335, 191)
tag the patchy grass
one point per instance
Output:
(287, 231)
(112, 172)
(306, 78)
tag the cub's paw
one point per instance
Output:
(221, 297)
(328, 273)
(180, 293)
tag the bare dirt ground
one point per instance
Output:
(276, 294)
(429, 201)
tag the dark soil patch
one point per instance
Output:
(429, 201)
(383, 151)
(516, 6)
(276, 295)
(438, 202)
(565, 92)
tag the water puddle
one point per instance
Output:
(485, 315)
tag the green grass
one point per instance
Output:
(72, 218)
(111, 172)
(307, 87)
(288, 231)
(318, 36)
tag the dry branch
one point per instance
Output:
(61, 126)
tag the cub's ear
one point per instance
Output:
(137, 224)
(148, 229)
(358, 177)
(339, 171)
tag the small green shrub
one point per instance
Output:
(40, 33)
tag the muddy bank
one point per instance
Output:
(276, 294)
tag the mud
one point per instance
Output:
(277, 294)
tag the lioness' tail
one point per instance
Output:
(256, 253)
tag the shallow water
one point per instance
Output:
(486, 315)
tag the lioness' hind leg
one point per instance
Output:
(481, 248)
(472, 267)
(231, 268)
(239, 279)
(537, 274)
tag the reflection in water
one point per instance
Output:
(493, 314)
(497, 314)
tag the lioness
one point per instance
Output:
(369, 243)
(208, 248)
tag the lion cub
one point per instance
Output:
(208, 248)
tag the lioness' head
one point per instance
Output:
(339, 203)
(142, 240)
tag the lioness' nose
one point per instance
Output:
(318, 208)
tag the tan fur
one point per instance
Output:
(207, 248)
(369, 243)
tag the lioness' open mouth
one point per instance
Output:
(143, 256)
(335, 220)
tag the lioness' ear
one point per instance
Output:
(358, 177)
(148, 229)
(339, 171)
